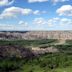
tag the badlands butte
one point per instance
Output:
(33, 35)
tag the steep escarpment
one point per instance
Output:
(30, 35)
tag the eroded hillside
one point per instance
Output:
(30, 35)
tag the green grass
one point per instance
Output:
(49, 62)
(64, 48)
(28, 42)
(69, 42)
(67, 69)
(44, 63)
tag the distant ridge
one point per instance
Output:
(31, 35)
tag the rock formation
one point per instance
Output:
(30, 35)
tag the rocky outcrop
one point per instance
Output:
(15, 51)
(22, 52)
(30, 35)
(37, 50)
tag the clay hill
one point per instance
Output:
(30, 35)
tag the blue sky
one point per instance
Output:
(24, 15)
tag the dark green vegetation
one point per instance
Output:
(49, 62)
(69, 42)
(10, 64)
(28, 42)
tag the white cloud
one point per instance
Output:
(6, 2)
(56, 1)
(53, 21)
(50, 24)
(20, 26)
(65, 10)
(32, 1)
(39, 21)
(15, 11)
(7, 27)
(53, 1)
(38, 12)
(22, 23)
(60, 21)
(65, 21)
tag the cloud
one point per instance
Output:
(59, 21)
(39, 21)
(22, 23)
(65, 21)
(15, 11)
(57, 1)
(20, 26)
(38, 12)
(65, 10)
(6, 2)
(7, 27)
(53, 1)
(53, 21)
(32, 1)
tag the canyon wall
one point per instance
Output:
(30, 35)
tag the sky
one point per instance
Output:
(22, 15)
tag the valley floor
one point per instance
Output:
(36, 56)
